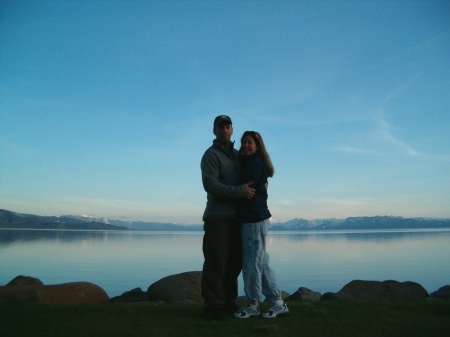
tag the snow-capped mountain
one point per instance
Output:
(10, 219)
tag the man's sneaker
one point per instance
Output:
(249, 311)
(276, 310)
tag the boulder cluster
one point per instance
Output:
(26, 288)
(186, 288)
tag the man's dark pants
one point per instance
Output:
(222, 251)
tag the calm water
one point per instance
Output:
(119, 261)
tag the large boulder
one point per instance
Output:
(377, 291)
(25, 281)
(134, 295)
(442, 293)
(184, 287)
(72, 293)
(67, 293)
(304, 294)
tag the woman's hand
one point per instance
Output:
(249, 191)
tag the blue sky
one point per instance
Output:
(106, 107)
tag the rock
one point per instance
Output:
(386, 291)
(329, 296)
(28, 289)
(25, 281)
(304, 294)
(134, 295)
(177, 288)
(18, 293)
(72, 293)
(442, 293)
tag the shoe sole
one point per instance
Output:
(247, 317)
(283, 314)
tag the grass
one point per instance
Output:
(326, 318)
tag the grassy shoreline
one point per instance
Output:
(326, 318)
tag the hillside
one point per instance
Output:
(367, 223)
(357, 223)
(10, 219)
(140, 225)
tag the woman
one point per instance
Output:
(259, 278)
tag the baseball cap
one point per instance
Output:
(222, 119)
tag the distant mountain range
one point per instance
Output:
(10, 219)
(141, 225)
(374, 222)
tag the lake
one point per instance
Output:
(322, 261)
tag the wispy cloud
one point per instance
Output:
(388, 136)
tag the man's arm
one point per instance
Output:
(215, 188)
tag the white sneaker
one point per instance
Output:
(248, 311)
(276, 310)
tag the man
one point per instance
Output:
(222, 237)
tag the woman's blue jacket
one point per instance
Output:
(255, 209)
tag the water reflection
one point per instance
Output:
(8, 236)
(12, 235)
(362, 235)
(322, 261)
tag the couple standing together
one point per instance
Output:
(236, 221)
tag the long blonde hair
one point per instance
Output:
(261, 150)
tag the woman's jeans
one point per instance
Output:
(259, 278)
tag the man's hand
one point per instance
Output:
(249, 192)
